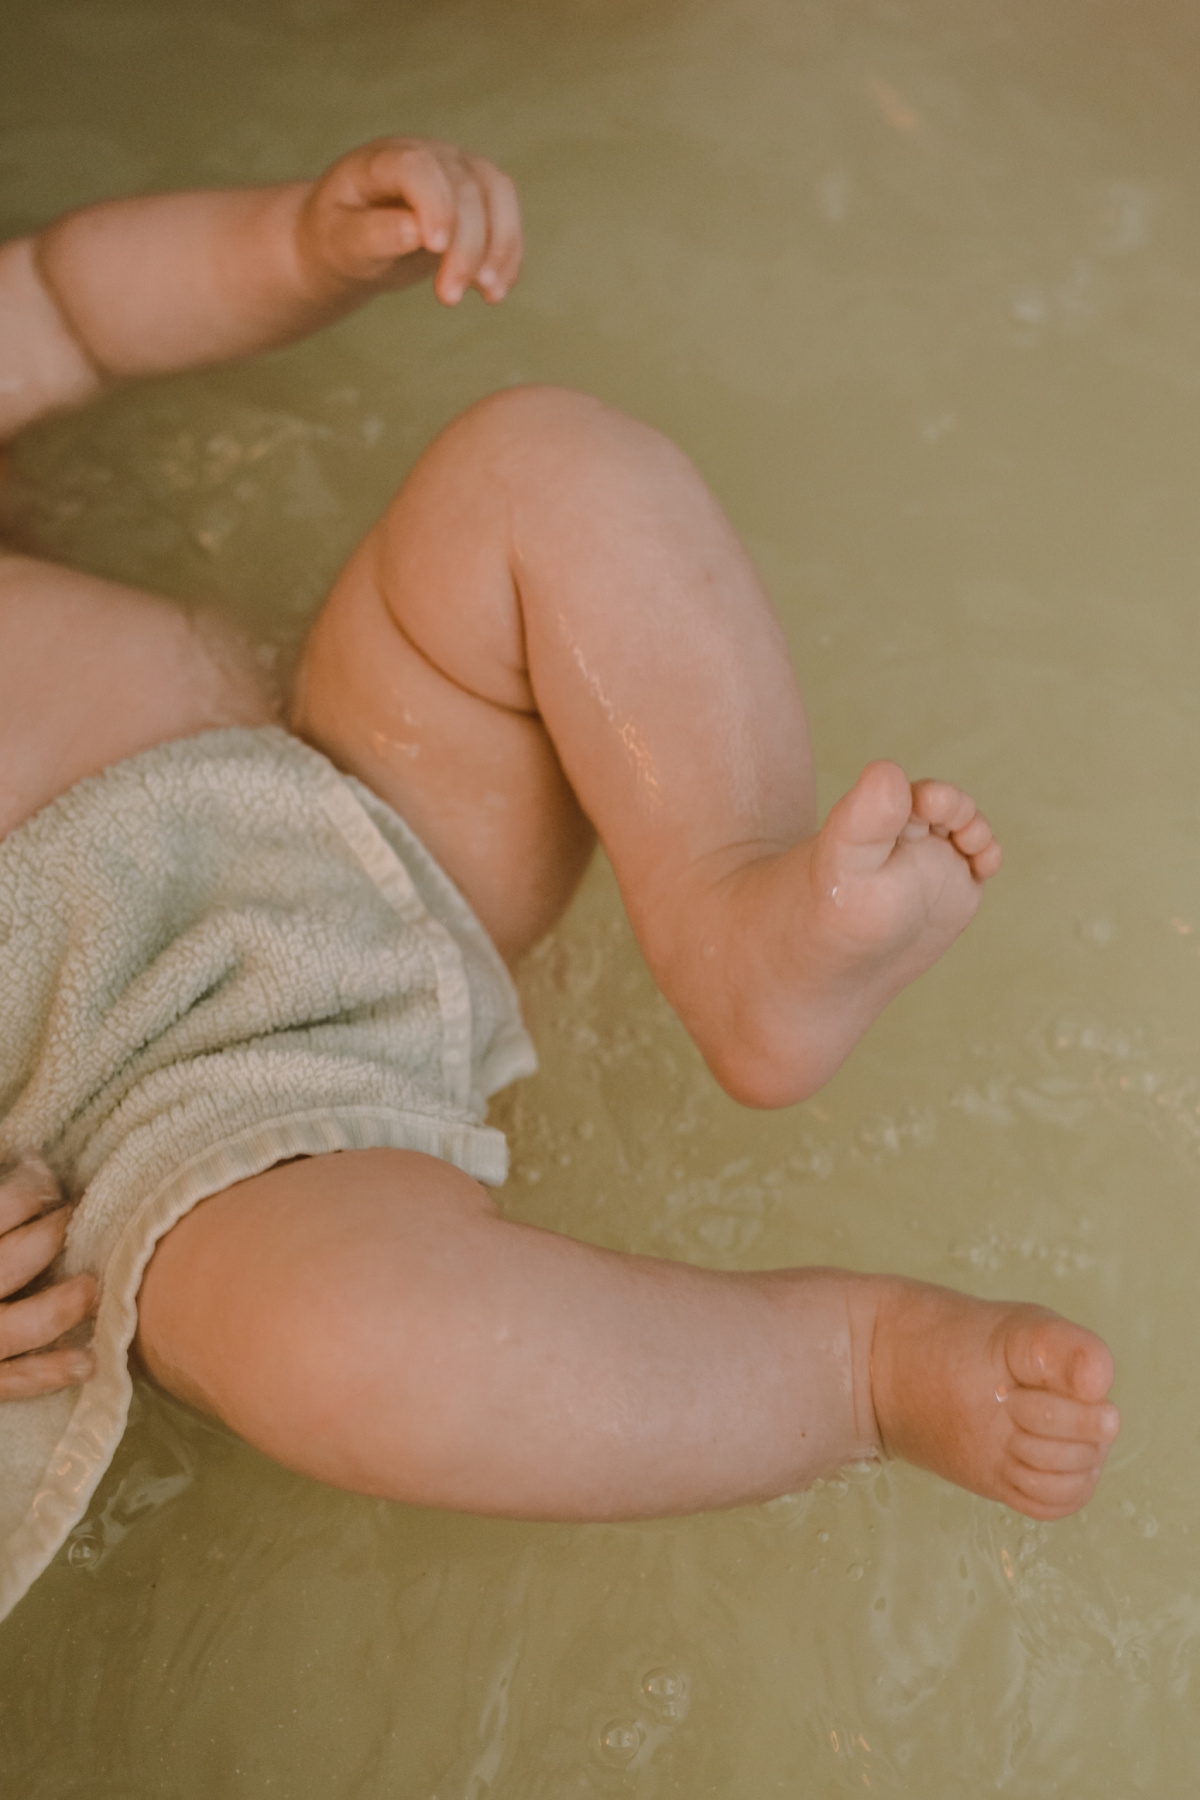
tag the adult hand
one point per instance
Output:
(33, 1226)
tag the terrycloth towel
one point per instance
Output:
(214, 956)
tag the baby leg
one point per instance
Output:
(368, 1319)
(553, 625)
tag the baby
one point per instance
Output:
(552, 634)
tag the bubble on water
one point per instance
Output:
(84, 1553)
(832, 190)
(666, 1691)
(855, 1572)
(1099, 933)
(619, 1742)
(1029, 306)
(822, 1537)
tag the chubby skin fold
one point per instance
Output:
(552, 634)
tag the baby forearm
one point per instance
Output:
(145, 286)
(43, 367)
(170, 281)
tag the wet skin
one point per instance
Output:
(552, 634)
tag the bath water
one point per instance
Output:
(918, 287)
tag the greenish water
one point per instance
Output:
(918, 286)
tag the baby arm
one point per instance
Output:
(171, 281)
(33, 1224)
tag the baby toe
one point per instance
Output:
(1061, 1456)
(1054, 1417)
(942, 804)
(972, 837)
(986, 862)
(1047, 1352)
(1049, 1494)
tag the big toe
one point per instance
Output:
(1049, 1352)
(875, 811)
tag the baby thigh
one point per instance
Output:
(298, 1306)
(554, 627)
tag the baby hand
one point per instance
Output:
(33, 1225)
(388, 200)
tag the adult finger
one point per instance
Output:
(28, 1249)
(45, 1373)
(26, 1191)
(36, 1321)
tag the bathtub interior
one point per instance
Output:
(918, 287)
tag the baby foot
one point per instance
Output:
(827, 933)
(1006, 1400)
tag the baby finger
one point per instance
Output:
(415, 174)
(505, 245)
(461, 261)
